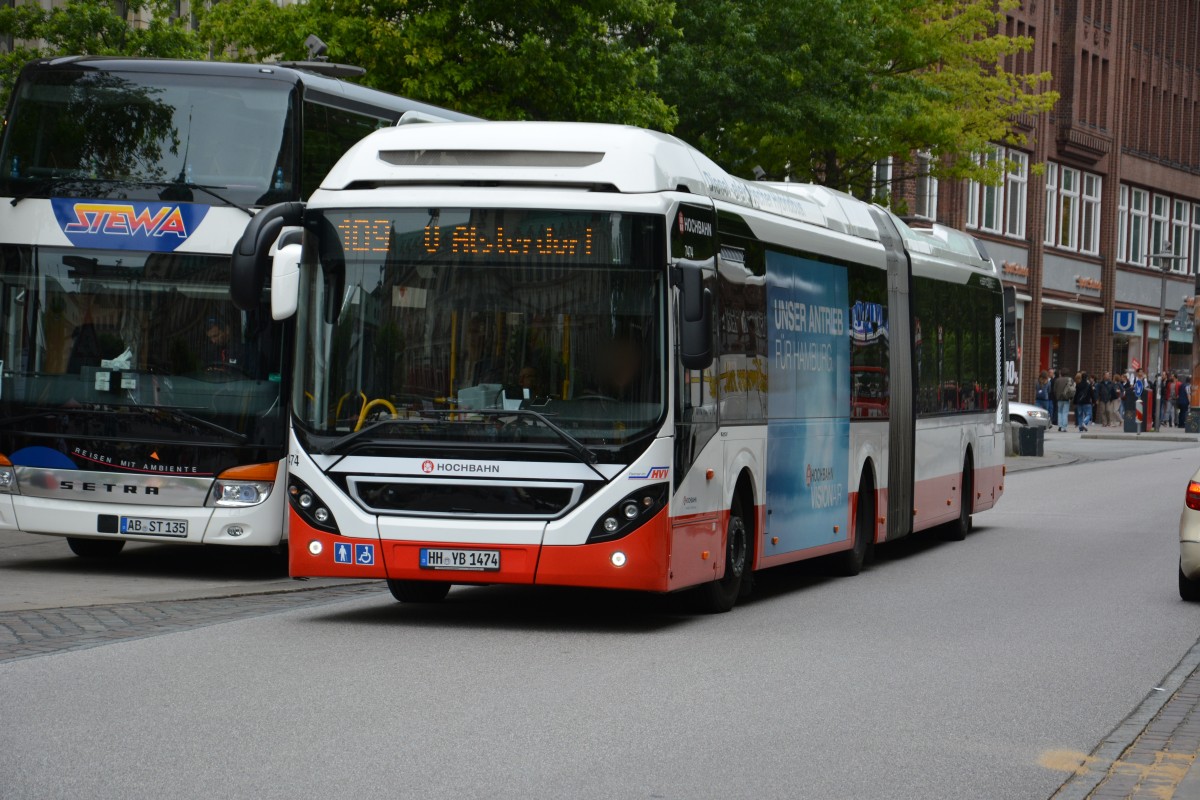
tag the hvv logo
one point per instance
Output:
(652, 474)
(159, 227)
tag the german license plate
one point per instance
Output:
(474, 560)
(154, 526)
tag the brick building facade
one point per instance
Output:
(1100, 214)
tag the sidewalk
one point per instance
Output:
(1153, 753)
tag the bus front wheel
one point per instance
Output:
(957, 531)
(419, 591)
(95, 548)
(719, 596)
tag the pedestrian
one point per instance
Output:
(1064, 392)
(1170, 401)
(1082, 400)
(1140, 386)
(1042, 394)
(1116, 402)
(1103, 397)
(1051, 374)
(1183, 400)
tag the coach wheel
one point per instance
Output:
(419, 591)
(850, 562)
(957, 531)
(95, 548)
(1188, 589)
(720, 595)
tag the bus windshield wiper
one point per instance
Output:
(573, 445)
(42, 184)
(39, 185)
(184, 416)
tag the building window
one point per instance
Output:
(1068, 208)
(1073, 209)
(1196, 238)
(1123, 224)
(1180, 210)
(883, 179)
(1051, 202)
(1139, 219)
(926, 189)
(1016, 194)
(1159, 233)
(1089, 240)
(1001, 208)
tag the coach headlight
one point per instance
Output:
(244, 486)
(8, 476)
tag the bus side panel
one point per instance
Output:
(697, 542)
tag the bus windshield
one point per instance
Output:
(473, 326)
(149, 136)
(114, 345)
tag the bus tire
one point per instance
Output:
(95, 548)
(720, 595)
(957, 531)
(419, 591)
(850, 562)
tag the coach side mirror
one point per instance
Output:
(251, 254)
(695, 316)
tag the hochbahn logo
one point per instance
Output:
(159, 227)
(689, 225)
(429, 467)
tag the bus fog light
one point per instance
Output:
(314, 547)
(610, 524)
(618, 559)
(234, 531)
(305, 500)
(8, 479)
(630, 510)
(321, 515)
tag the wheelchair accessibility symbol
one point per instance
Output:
(364, 555)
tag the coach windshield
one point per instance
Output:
(472, 326)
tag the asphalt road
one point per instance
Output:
(946, 670)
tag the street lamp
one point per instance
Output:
(1163, 257)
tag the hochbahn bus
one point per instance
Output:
(587, 356)
(136, 402)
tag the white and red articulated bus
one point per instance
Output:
(583, 355)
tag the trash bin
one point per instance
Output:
(1132, 423)
(1031, 441)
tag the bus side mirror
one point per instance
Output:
(248, 269)
(695, 316)
(285, 281)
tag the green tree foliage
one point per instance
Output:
(591, 60)
(92, 27)
(822, 90)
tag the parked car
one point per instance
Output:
(1025, 414)
(1189, 542)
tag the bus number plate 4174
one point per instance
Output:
(474, 560)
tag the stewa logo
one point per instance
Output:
(159, 227)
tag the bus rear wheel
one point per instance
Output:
(95, 548)
(419, 591)
(957, 531)
(850, 562)
(720, 595)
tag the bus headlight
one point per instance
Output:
(629, 513)
(8, 480)
(244, 486)
(310, 507)
(239, 495)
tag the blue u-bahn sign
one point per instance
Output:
(1124, 320)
